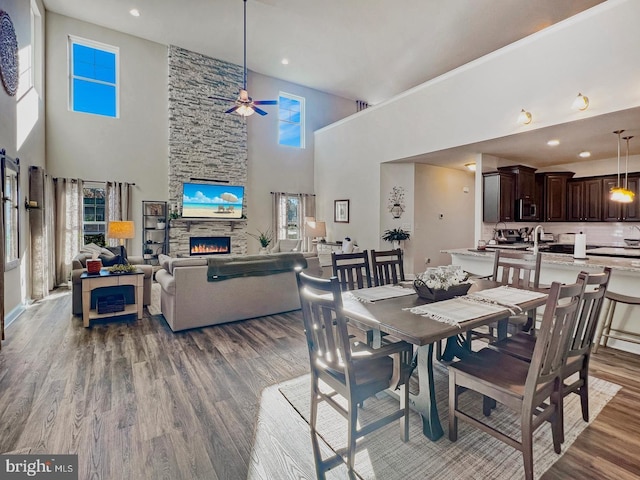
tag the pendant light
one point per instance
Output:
(619, 193)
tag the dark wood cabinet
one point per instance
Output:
(618, 212)
(525, 181)
(584, 200)
(552, 195)
(499, 197)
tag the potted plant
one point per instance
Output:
(264, 238)
(147, 254)
(395, 236)
(161, 223)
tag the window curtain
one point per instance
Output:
(67, 225)
(118, 207)
(306, 208)
(41, 229)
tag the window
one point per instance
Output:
(289, 213)
(93, 79)
(11, 180)
(290, 120)
(94, 224)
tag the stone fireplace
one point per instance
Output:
(205, 144)
(209, 245)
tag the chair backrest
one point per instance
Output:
(352, 269)
(589, 312)
(388, 268)
(324, 324)
(555, 334)
(519, 269)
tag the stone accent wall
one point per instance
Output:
(204, 142)
(182, 230)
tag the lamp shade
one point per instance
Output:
(317, 229)
(121, 229)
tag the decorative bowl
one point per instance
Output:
(632, 242)
(437, 295)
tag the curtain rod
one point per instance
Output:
(75, 180)
(288, 193)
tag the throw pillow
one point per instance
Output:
(110, 261)
(107, 253)
(92, 249)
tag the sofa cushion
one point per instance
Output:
(186, 262)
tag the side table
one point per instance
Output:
(107, 279)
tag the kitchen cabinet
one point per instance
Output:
(525, 181)
(551, 193)
(499, 197)
(617, 212)
(584, 200)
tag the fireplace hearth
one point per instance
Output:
(209, 245)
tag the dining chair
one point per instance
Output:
(349, 367)
(388, 267)
(516, 269)
(530, 388)
(522, 345)
(352, 269)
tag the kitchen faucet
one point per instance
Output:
(535, 238)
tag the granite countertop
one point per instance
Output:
(617, 263)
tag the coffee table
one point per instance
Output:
(103, 279)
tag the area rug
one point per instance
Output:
(475, 455)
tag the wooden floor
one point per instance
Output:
(136, 401)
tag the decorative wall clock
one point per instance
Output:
(8, 54)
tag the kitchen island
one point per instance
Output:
(625, 279)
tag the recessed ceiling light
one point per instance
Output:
(553, 143)
(584, 154)
(285, 61)
(134, 12)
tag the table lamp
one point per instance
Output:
(121, 229)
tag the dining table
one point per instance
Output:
(406, 316)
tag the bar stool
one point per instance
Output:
(605, 329)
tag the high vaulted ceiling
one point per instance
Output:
(366, 50)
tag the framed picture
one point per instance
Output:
(341, 211)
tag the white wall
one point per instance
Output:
(444, 204)
(132, 148)
(273, 167)
(22, 130)
(595, 52)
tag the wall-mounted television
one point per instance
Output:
(201, 200)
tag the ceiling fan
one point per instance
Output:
(244, 105)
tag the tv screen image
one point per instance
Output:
(200, 200)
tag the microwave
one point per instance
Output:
(526, 210)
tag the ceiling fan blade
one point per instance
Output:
(266, 102)
(260, 111)
(233, 109)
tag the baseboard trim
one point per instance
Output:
(13, 314)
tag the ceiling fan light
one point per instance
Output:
(245, 111)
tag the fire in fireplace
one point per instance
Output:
(209, 245)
